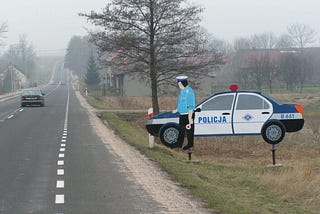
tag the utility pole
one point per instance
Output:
(11, 77)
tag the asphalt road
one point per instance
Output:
(51, 161)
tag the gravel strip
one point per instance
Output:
(172, 197)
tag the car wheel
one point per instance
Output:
(169, 135)
(273, 133)
(22, 105)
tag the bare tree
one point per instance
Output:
(254, 62)
(242, 44)
(22, 56)
(302, 35)
(289, 66)
(3, 30)
(263, 41)
(284, 42)
(157, 38)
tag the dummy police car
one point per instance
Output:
(233, 113)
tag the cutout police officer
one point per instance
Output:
(185, 106)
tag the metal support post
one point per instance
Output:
(273, 154)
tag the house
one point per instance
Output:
(122, 80)
(256, 67)
(11, 79)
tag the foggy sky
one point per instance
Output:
(49, 24)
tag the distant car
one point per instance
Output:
(233, 113)
(32, 97)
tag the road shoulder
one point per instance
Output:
(156, 182)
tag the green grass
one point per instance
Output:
(229, 188)
(93, 100)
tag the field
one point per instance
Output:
(233, 174)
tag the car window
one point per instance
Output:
(250, 102)
(32, 92)
(223, 102)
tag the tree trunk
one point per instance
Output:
(154, 91)
(153, 67)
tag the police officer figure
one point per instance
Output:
(185, 106)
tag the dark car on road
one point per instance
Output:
(32, 97)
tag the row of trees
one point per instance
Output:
(20, 55)
(81, 57)
(160, 39)
(274, 59)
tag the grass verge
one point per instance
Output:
(230, 188)
(232, 175)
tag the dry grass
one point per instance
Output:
(297, 182)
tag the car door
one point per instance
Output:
(215, 115)
(251, 112)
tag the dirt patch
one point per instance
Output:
(156, 182)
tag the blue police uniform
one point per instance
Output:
(186, 102)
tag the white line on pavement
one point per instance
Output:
(60, 162)
(60, 171)
(60, 184)
(59, 199)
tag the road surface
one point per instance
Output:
(58, 159)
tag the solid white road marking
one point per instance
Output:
(60, 184)
(60, 171)
(59, 199)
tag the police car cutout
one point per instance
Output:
(233, 113)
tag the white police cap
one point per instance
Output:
(181, 78)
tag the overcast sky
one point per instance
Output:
(49, 24)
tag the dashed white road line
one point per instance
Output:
(60, 171)
(60, 184)
(60, 163)
(11, 116)
(59, 199)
